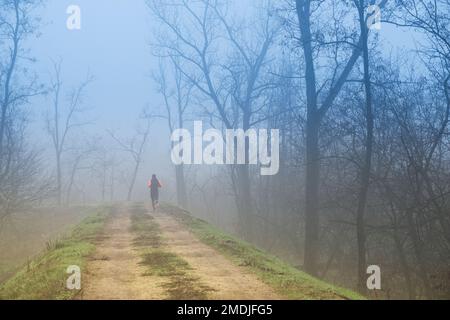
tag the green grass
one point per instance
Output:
(45, 277)
(284, 278)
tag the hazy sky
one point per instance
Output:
(113, 44)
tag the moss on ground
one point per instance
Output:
(164, 264)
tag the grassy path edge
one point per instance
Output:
(284, 278)
(44, 278)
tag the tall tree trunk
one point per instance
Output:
(311, 246)
(9, 74)
(181, 186)
(111, 190)
(244, 187)
(404, 265)
(58, 178)
(133, 181)
(103, 183)
(311, 254)
(179, 170)
(70, 184)
(418, 252)
(366, 168)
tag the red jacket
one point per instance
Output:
(149, 183)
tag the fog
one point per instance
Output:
(114, 45)
(137, 70)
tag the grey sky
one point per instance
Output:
(113, 44)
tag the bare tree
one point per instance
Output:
(232, 84)
(80, 161)
(21, 179)
(16, 23)
(63, 118)
(176, 101)
(366, 167)
(104, 167)
(135, 148)
(319, 99)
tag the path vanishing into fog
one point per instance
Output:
(116, 269)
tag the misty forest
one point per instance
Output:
(359, 91)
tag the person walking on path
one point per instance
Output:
(154, 186)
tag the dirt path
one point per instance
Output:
(115, 272)
(228, 280)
